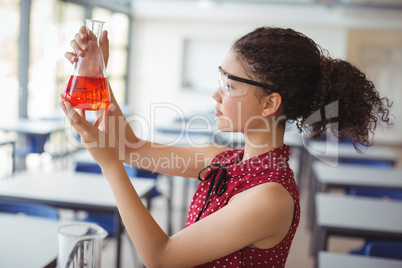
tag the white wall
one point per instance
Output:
(160, 29)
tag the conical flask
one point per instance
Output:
(87, 86)
(80, 245)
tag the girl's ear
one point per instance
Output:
(271, 104)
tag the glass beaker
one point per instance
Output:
(80, 245)
(87, 87)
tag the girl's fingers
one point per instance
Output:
(103, 117)
(79, 123)
(75, 44)
(63, 107)
(98, 120)
(83, 32)
(82, 113)
(104, 44)
(80, 44)
(71, 57)
(82, 38)
(106, 114)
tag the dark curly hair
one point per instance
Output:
(311, 82)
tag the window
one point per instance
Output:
(42, 53)
(201, 60)
(117, 25)
(52, 24)
(71, 18)
(9, 37)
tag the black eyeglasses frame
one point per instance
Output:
(247, 81)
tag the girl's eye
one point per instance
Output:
(233, 87)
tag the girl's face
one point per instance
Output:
(240, 113)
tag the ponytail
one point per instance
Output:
(359, 105)
(309, 82)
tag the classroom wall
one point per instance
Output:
(379, 54)
(160, 30)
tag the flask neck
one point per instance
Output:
(95, 26)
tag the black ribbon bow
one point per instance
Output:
(220, 186)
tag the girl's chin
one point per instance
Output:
(224, 126)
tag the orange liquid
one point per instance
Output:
(87, 93)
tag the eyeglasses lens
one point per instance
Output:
(231, 88)
(225, 84)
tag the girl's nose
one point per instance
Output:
(217, 95)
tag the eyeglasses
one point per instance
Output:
(233, 86)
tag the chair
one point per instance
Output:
(87, 167)
(106, 221)
(391, 250)
(35, 144)
(372, 192)
(131, 172)
(361, 191)
(365, 162)
(376, 192)
(30, 209)
(143, 173)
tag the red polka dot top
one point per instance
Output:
(240, 176)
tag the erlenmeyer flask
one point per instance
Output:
(87, 87)
(80, 245)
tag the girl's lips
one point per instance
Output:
(217, 113)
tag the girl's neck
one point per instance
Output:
(258, 143)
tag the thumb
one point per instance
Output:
(104, 40)
(104, 44)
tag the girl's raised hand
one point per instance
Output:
(80, 45)
(98, 138)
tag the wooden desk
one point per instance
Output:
(27, 241)
(84, 157)
(356, 217)
(333, 152)
(70, 190)
(336, 153)
(337, 260)
(325, 177)
(39, 127)
(347, 176)
(6, 142)
(32, 134)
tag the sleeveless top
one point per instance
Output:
(271, 166)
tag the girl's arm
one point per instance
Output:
(264, 212)
(186, 161)
(261, 213)
(172, 160)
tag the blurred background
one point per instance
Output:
(167, 51)
(163, 59)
